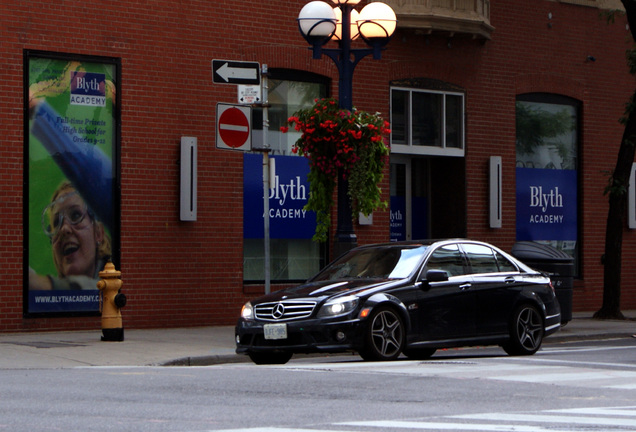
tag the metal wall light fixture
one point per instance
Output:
(319, 23)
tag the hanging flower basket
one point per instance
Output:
(341, 142)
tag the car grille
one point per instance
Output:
(284, 310)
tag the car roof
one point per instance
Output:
(424, 242)
(440, 242)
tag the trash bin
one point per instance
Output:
(557, 264)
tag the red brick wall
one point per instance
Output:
(190, 273)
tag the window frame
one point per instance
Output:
(443, 150)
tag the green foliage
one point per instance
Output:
(630, 54)
(615, 187)
(610, 15)
(341, 141)
(535, 125)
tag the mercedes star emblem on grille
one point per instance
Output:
(279, 311)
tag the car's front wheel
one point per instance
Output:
(265, 358)
(384, 338)
(526, 331)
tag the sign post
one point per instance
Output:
(234, 124)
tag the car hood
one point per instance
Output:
(324, 289)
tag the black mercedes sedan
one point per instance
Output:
(408, 298)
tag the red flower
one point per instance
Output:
(284, 129)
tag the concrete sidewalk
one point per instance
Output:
(199, 346)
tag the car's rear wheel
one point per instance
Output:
(384, 338)
(526, 331)
(265, 358)
(419, 353)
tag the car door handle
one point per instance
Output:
(464, 287)
(509, 280)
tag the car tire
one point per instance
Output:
(419, 353)
(270, 358)
(384, 336)
(526, 331)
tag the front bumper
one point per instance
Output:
(305, 336)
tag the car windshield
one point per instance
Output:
(385, 262)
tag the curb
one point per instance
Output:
(206, 360)
(240, 358)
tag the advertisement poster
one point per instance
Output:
(71, 196)
(546, 204)
(287, 199)
(398, 218)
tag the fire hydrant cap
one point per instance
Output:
(109, 271)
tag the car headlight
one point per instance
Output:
(339, 306)
(248, 311)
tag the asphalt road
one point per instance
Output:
(573, 386)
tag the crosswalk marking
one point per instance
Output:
(538, 370)
(566, 374)
(623, 386)
(278, 429)
(550, 419)
(621, 418)
(627, 411)
(528, 370)
(438, 426)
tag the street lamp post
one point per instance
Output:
(319, 23)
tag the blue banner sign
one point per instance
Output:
(288, 196)
(63, 301)
(398, 218)
(546, 204)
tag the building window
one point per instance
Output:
(547, 144)
(294, 256)
(289, 91)
(427, 122)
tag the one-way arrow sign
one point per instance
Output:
(235, 72)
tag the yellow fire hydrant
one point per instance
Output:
(111, 303)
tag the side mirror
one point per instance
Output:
(436, 276)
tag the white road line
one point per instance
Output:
(540, 418)
(276, 429)
(607, 417)
(570, 350)
(623, 386)
(579, 363)
(567, 375)
(628, 411)
(498, 371)
(451, 426)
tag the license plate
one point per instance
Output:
(275, 331)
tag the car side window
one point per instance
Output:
(447, 258)
(481, 259)
(504, 264)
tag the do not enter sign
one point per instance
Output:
(233, 127)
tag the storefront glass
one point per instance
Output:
(294, 256)
(547, 176)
